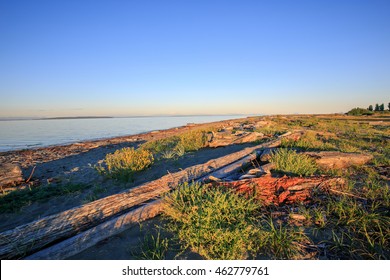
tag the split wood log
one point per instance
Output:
(91, 237)
(338, 160)
(41, 233)
(10, 174)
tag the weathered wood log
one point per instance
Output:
(338, 160)
(232, 168)
(33, 236)
(91, 237)
(10, 174)
(266, 168)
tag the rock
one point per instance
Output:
(338, 160)
(10, 174)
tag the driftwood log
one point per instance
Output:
(232, 168)
(91, 237)
(31, 237)
(338, 160)
(10, 174)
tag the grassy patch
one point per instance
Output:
(360, 231)
(193, 140)
(309, 141)
(283, 241)
(14, 201)
(288, 161)
(271, 131)
(154, 247)
(161, 145)
(215, 223)
(124, 162)
(177, 146)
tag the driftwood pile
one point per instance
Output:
(115, 210)
(67, 233)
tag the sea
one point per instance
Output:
(35, 133)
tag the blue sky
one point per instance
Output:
(60, 58)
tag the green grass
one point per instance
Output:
(220, 224)
(283, 241)
(15, 200)
(272, 130)
(309, 141)
(154, 247)
(288, 161)
(364, 230)
(161, 145)
(216, 223)
(176, 146)
(123, 163)
(351, 224)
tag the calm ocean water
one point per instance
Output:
(22, 134)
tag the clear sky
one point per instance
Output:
(60, 58)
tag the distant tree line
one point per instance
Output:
(369, 111)
(379, 108)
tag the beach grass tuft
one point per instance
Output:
(289, 161)
(124, 162)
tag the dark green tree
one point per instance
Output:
(388, 106)
(370, 108)
(376, 107)
(382, 107)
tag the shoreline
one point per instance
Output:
(34, 154)
(72, 148)
(14, 145)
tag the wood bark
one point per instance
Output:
(44, 232)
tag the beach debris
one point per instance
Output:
(48, 230)
(280, 191)
(10, 175)
(338, 160)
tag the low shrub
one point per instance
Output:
(215, 222)
(193, 140)
(124, 162)
(359, 112)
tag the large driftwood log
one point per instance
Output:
(338, 160)
(38, 234)
(91, 237)
(10, 174)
